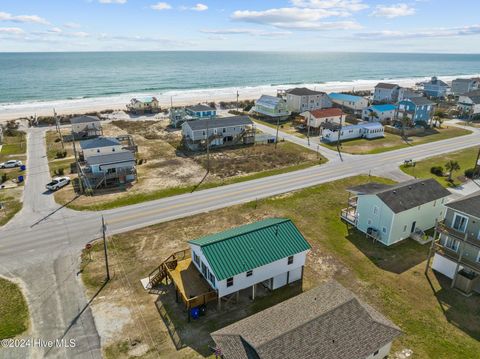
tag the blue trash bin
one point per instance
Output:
(20, 179)
(195, 313)
(23, 168)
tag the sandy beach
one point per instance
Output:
(181, 98)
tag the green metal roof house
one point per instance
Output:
(272, 252)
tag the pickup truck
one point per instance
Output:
(11, 164)
(57, 183)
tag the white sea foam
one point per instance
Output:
(182, 97)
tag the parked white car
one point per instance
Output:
(57, 183)
(11, 164)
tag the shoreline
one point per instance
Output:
(188, 97)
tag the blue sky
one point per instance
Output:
(291, 25)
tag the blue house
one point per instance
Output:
(201, 111)
(417, 109)
(379, 113)
(435, 88)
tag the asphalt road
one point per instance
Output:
(42, 243)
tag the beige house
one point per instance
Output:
(144, 105)
(302, 99)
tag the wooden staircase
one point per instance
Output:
(157, 276)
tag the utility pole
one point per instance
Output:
(276, 136)
(57, 125)
(80, 179)
(237, 100)
(308, 131)
(476, 166)
(104, 229)
(208, 149)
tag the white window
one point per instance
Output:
(230, 282)
(460, 223)
(451, 243)
(249, 273)
(405, 228)
(290, 260)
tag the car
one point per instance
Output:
(57, 183)
(11, 164)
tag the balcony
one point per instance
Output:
(444, 229)
(349, 215)
(454, 256)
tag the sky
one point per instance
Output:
(438, 26)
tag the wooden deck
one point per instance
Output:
(188, 280)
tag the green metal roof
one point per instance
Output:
(251, 246)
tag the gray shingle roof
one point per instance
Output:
(469, 204)
(329, 321)
(84, 119)
(114, 157)
(405, 195)
(303, 91)
(219, 122)
(99, 142)
(200, 107)
(420, 101)
(474, 96)
(385, 85)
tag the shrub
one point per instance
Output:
(437, 170)
(472, 172)
(60, 171)
(61, 154)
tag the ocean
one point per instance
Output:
(56, 78)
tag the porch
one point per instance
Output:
(349, 214)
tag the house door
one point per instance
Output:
(413, 226)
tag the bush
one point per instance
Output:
(437, 170)
(472, 172)
(61, 154)
(60, 171)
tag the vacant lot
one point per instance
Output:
(394, 142)
(14, 146)
(165, 170)
(13, 310)
(437, 321)
(465, 158)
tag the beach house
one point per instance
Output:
(271, 107)
(107, 169)
(457, 244)
(417, 109)
(100, 145)
(218, 132)
(140, 106)
(271, 252)
(390, 213)
(328, 322)
(302, 99)
(462, 86)
(435, 88)
(350, 102)
(469, 103)
(405, 93)
(85, 127)
(315, 118)
(385, 93)
(332, 132)
(191, 113)
(379, 113)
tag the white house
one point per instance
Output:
(100, 145)
(379, 113)
(405, 93)
(302, 99)
(119, 165)
(385, 92)
(368, 130)
(461, 86)
(390, 213)
(327, 322)
(86, 126)
(351, 102)
(315, 118)
(271, 106)
(271, 252)
(469, 103)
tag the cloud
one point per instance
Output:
(72, 25)
(239, 31)
(5, 16)
(55, 30)
(112, 1)
(161, 6)
(11, 31)
(431, 33)
(348, 5)
(297, 18)
(393, 11)
(199, 7)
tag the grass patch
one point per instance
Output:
(13, 146)
(466, 159)
(391, 279)
(394, 142)
(11, 204)
(13, 310)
